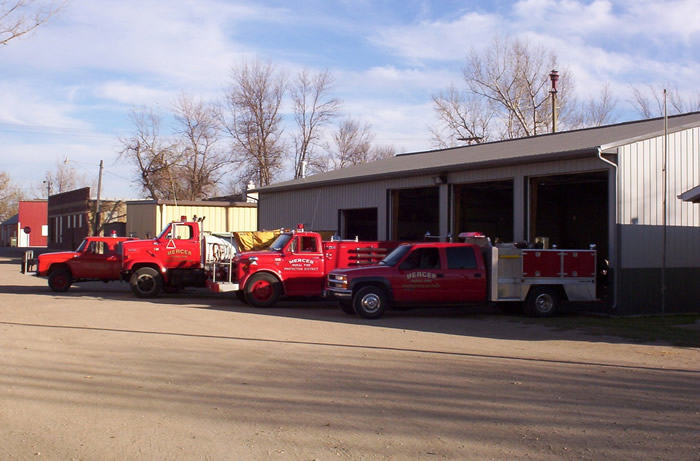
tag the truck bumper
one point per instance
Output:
(339, 293)
(222, 287)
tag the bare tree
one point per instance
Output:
(599, 111)
(380, 152)
(154, 157)
(462, 118)
(649, 100)
(63, 178)
(19, 17)
(202, 159)
(252, 118)
(512, 77)
(313, 108)
(10, 195)
(352, 145)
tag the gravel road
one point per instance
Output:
(97, 374)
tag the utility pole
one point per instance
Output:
(97, 203)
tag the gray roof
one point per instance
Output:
(566, 144)
(219, 203)
(12, 220)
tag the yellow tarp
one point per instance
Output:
(253, 241)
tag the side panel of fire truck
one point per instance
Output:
(515, 274)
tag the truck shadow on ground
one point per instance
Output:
(481, 321)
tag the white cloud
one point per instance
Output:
(437, 40)
(134, 94)
(28, 106)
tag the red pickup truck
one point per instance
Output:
(464, 273)
(97, 258)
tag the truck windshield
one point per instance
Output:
(82, 246)
(395, 256)
(280, 242)
(164, 232)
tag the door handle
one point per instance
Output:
(477, 275)
(440, 275)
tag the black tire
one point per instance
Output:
(542, 302)
(262, 290)
(346, 306)
(171, 289)
(146, 282)
(240, 294)
(370, 302)
(60, 279)
(511, 308)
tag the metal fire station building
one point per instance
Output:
(617, 186)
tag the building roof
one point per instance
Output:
(12, 220)
(692, 195)
(192, 203)
(566, 144)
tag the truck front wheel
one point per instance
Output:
(370, 302)
(146, 282)
(542, 302)
(60, 280)
(262, 290)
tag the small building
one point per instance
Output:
(614, 186)
(71, 218)
(147, 218)
(28, 227)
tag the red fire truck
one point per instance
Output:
(296, 264)
(463, 273)
(180, 256)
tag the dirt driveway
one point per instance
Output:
(96, 374)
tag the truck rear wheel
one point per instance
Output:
(146, 282)
(370, 302)
(542, 302)
(60, 279)
(262, 290)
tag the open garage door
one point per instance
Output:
(415, 212)
(360, 223)
(485, 207)
(571, 211)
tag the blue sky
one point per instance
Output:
(66, 91)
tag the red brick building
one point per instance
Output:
(71, 218)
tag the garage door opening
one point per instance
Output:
(571, 211)
(360, 223)
(414, 213)
(485, 207)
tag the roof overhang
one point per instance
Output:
(692, 195)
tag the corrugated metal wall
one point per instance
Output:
(641, 201)
(151, 218)
(141, 220)
(318, 208)
(641, 180)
